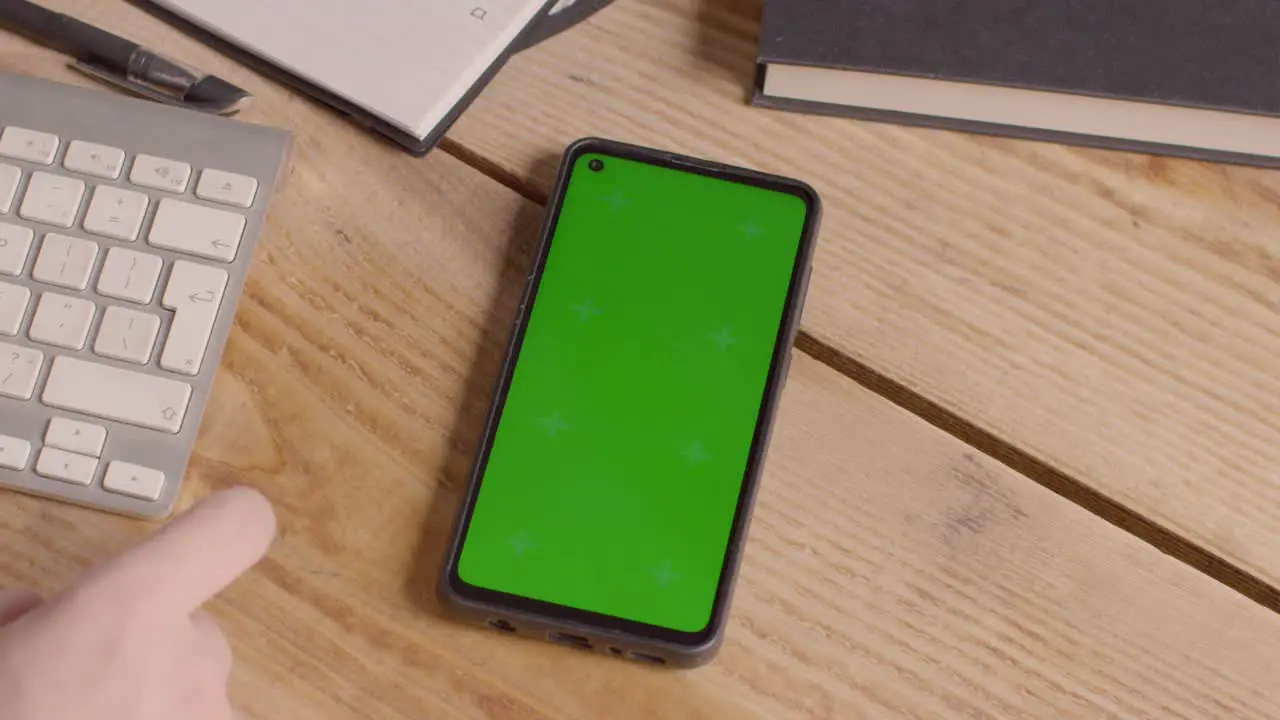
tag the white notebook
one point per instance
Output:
(408, 62)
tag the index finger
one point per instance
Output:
(194, 557)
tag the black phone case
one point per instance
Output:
(636, 645)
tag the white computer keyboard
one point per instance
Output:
(126, 229)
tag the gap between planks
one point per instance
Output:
(1056, 481)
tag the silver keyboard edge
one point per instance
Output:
(136, 126)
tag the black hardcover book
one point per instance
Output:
(1194, 78)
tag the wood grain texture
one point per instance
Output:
(1113, 316)
(891, 572)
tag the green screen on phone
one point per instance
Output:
(620, 453)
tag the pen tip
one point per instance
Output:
(216, 95)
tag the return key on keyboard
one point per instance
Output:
(194, 294)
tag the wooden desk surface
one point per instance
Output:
(1026, 465)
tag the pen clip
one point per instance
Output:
(166, 94)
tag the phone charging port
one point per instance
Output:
(572, 640)
(647, 658)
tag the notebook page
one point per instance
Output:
(407, 61)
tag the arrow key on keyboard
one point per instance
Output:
(14, 453)
(77, 437)
(66, 466)
(133, 480)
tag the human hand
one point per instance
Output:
(128, 641)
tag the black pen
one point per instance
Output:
(122, 63)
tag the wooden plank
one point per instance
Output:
(1111, 316)
(892, 571)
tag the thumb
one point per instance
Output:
(16, 603)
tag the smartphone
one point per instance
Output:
(609, 500)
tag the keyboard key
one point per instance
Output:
(161, 174)
(14, 453)
(22, 144)
(127, 335)
(15, 244)
(116, 213)
(129, 275)
(112, 393)
(197, 230)
(19, 369)
(62, 321)
(65, 466)
(65, 261)
(227, 188)
(13, 307)
(93, 159)
(77, 437)
(52, 199)
(133, 480)
(195, 293)
(10, 176)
